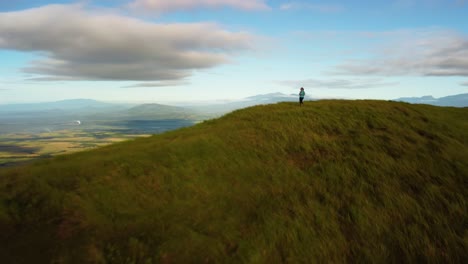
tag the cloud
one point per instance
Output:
(339, 83)
(414, 52)
(322, 8)
(163, 6)
(78, 44)
(54, 79)
(464, 83)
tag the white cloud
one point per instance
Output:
(414, 52)
(339, 83)
(162, 6)
(80, 44)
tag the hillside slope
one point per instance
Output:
(333, 181)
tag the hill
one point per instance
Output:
(158, 111)
(333, 181)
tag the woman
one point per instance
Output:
(301, 96)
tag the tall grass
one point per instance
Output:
(332, 181)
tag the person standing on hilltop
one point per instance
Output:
(301, 96)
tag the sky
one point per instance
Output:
(216, 50)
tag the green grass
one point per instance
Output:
(332, 181)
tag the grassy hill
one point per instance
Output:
(333, 181)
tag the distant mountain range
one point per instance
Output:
(272, 97)
(86, 105)
(225, 107)
(459, 100)
(93, 107)
(145, 110)
(160, 111)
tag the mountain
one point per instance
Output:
(158, 111)
(460, 100)
(332, 181)
(272, 98)
(100, 110)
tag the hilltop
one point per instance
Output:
(333, 181)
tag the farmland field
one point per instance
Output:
(27, 145)
(23, 147)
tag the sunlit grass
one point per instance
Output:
(333, 181)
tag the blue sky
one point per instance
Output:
(204, 50)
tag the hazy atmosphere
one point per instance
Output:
(233, 131)
(205, 50)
